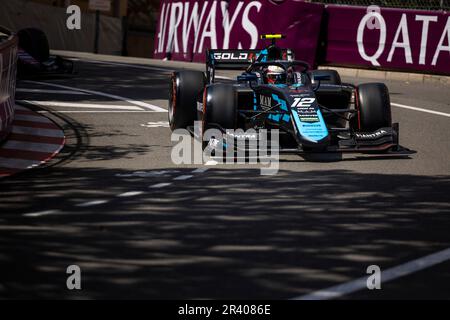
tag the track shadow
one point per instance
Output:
(223, 234)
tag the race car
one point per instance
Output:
(313, 110)
(34, 59)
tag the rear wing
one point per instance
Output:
(234, 59)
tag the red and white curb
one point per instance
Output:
(33, 141)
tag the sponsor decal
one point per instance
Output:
(232, 56)
(248, 136)
(181, 22)
(401, 41)
(398, 38)
(306, 109)
(370, 136)
(186, 28)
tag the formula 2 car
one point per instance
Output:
(313, 110)
(34, 59)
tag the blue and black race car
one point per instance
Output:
(313, 110)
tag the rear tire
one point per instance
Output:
(184, 89)
(374, 106)
(35, 43)
(335, 78)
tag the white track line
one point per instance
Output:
(386, 275)
(144, 105)
(92, 203)
(57, 104)
(41, 213)
(200, 170)
(130, 194)
(223, 77)
(398, 105)
(160, 185)
(70, 92)
(183, 177)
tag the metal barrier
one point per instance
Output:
(8, 65)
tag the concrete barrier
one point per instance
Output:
(8, 64)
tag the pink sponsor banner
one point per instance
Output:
(8, 60)
(187, 28)
(395, 39)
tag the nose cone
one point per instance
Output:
(308, 121)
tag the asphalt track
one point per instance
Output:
(139, 226)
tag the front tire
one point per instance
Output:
(221, 107)
(220, 110)
(374, 107)
(184, 89)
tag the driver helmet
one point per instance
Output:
(275, 75)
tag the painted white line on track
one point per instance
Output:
(398, 105)
(41, 213)
(26, 117)
(160, 185)
(130, 194)
(200, 170)
(70, 92)
(211, 163)
(183, 177)
(92, 203)
(386, 275)
(57, 104)
(38, 131)
(112, 96)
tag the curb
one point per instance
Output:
(34, 140)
